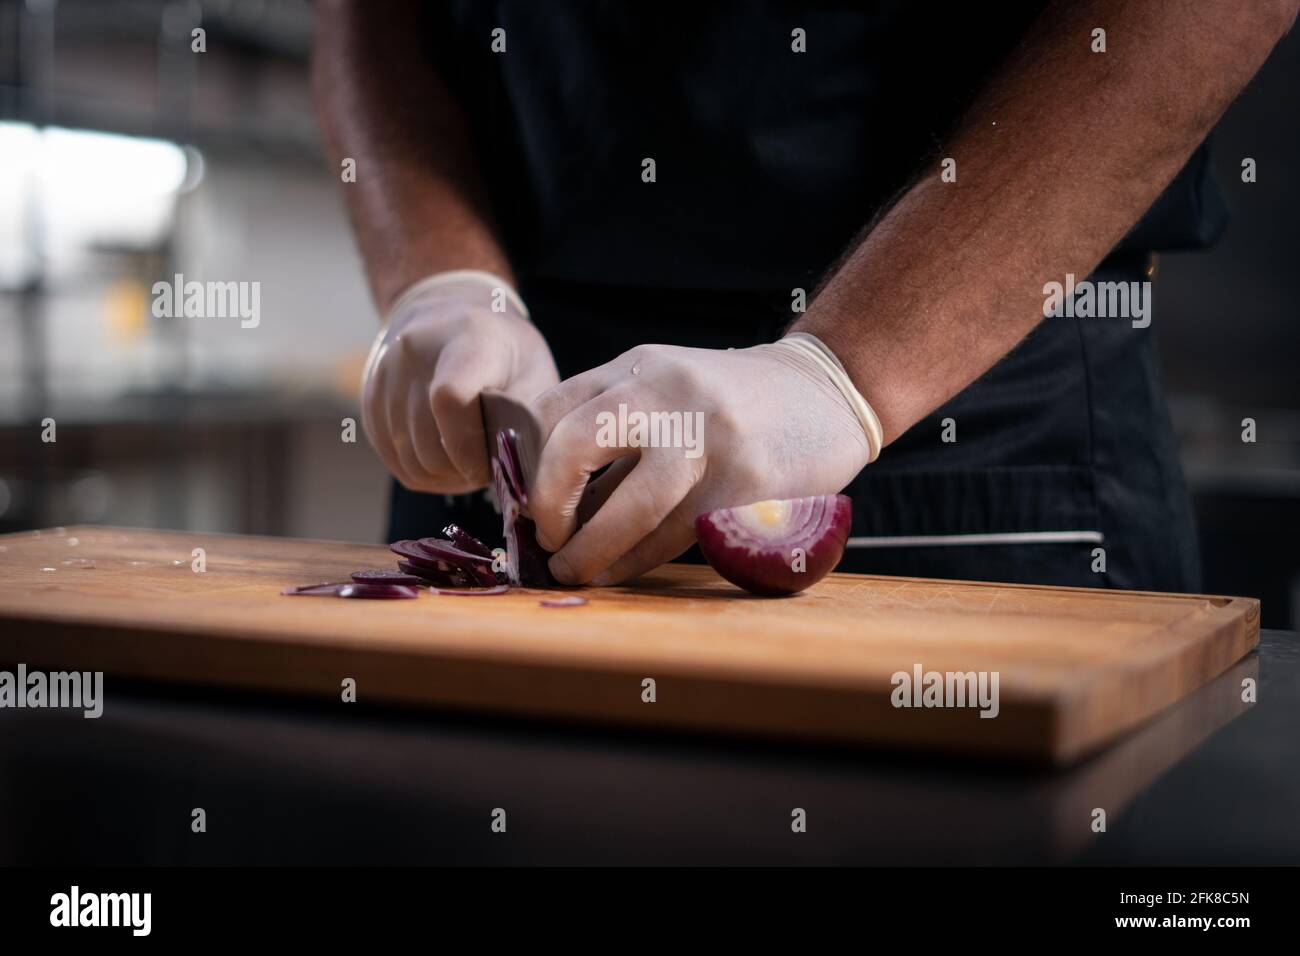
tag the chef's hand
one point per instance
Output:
(774, 421)
(447, 338)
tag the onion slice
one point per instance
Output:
(352, 589)
(413, 553)
(472, 592)
(383, 591)
(449, 557)
(512, 470)
(571, 600)
(386, 576)
(466, 541)
(526, 560)
(435, 578)
(437, 555)
(328, 589)
(444, 582)
(776, 547)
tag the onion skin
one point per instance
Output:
(753, 546)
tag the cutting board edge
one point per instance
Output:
(541, 658)
(1239, 614)
(767, 710)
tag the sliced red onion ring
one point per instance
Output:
(449, 557)
(466, 541)
(436, 578)
(377, 591)
(444, 550)
(437, 555)
(329, 589)
(461, 561)
(351, 589)
(532, 558)
(442, 554)
(511, 466)
(526, 560)
(450, 582)
(413, 553)
(571, 600)
(472, 592)
(776, 547)
(386, 576)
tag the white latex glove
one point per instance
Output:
(779, 421)
(447, 338)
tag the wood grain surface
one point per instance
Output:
(1076, 668)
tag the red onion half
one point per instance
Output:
(776, 547)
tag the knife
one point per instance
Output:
(502, 411)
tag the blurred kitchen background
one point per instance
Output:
(125, 158)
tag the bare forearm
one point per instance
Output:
(418, 204)
(1056, 160)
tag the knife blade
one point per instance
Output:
(502, 411)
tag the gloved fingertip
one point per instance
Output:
(561, 569)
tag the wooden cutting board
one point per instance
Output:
(1076, 667)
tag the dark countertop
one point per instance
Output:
(1213, 780)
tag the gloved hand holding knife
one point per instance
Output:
(447, 338)
(779, 423)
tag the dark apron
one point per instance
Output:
(1062, 448)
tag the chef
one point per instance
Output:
(829, 229)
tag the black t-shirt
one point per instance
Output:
(767, 161)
